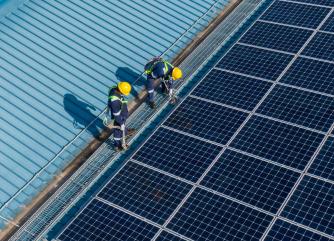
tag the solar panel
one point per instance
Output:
(296, 14)
(321, 47)
(206, 216)
(178, 154)
(311, 74)
(329, 24)
(255, 62)
(287, 231)
(312, 205)
(323, 165)
(145, 192)
(182, 183)
(232, 89)
(165, 236)
(318, 2)
(210, 121)
(276, 36)
(99, 221)
(300, 107)
(251, 180)
(279, 142)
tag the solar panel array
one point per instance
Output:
(247, 155)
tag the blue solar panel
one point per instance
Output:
(311, 74)
(296, 14)
(300, 107)
(321, 47)
(323, 165)
(239, 194)
(318, 2)
(279, 142)
(286, 231)
(276, 36)
(329, 24)
(165, 236)
(206, 216)
(145, 192)
(206, 120)
(178, 154)
(99, 221)
(232, 89)
(256, 62)
(312, 205)
(256, 182)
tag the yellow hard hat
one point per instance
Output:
(177, 73)
(124, 88)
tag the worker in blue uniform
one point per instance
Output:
(119, 113)
(156, 69)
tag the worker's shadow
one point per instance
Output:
(82, 115)
(134, 78)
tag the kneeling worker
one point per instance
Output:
(157, 69)
(119, 113)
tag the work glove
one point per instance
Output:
(170, 93)
(105, 120)
(123, 127)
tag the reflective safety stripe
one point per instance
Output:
(150, 91)
(166, 67)
(114, 98)
(117, 138)
(117, 113)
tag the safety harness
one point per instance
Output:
(150, 65)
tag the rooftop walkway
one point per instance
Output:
(57, 60)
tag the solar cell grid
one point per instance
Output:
(299, 107)
(323, 165)
(317, 2)
(178, 154)
(286, 231)
(279, 142)
(311, 74)
(206, 120)
(253, 181)
(99, 221)
(312, 205)
(145, 192)
(329, 24)
(232, 89)
(255, 62)
(206, 216)
(276, 36)
(321, 47)
(295, 14)
(165, 236)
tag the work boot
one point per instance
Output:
(125, 147)
(118, 149)
(152, 105)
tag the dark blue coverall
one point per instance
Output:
(119, 112)
(155, 69)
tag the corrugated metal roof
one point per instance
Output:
(57, 60)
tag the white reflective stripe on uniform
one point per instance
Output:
(150, 91)
(115, 100)
(117, 113)
(117, 138)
